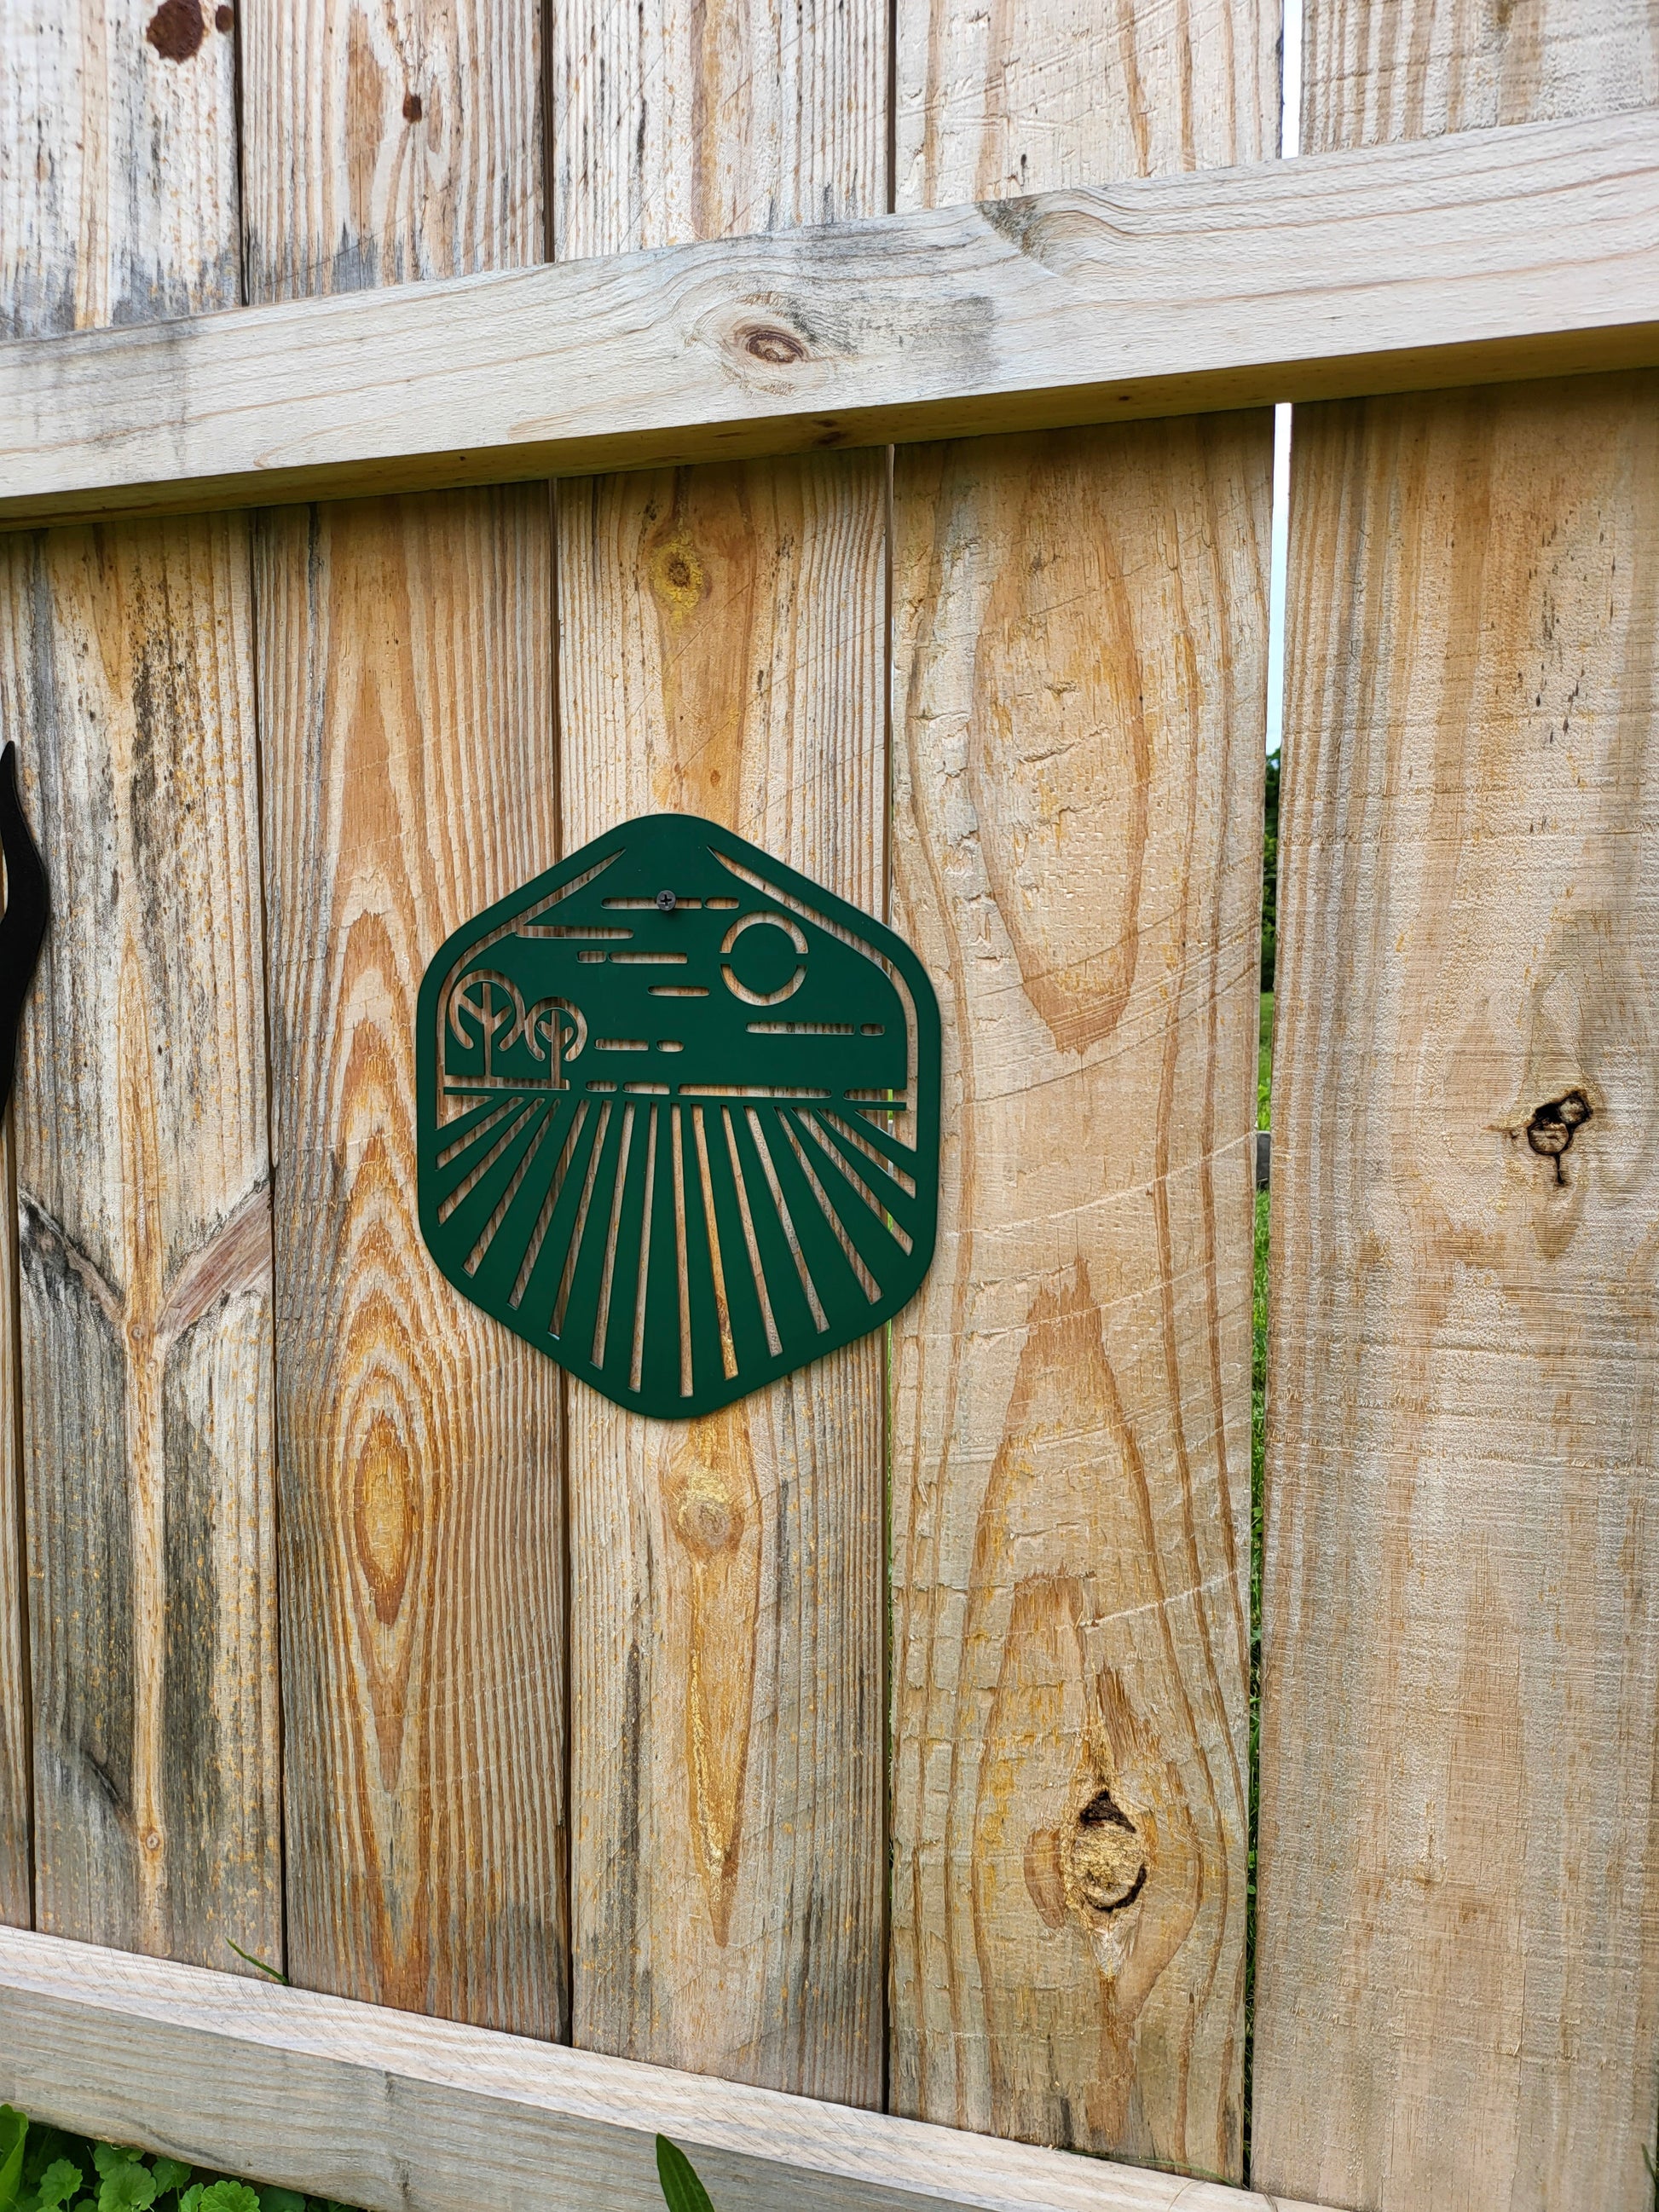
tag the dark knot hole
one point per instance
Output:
(1556, 1123)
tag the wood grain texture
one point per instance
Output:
(16, 1770)
(1076, 801)
(721, 652)
(118, 166)
(721, 655)
(143, 1162)
(682, 121)
(1511, 253)
(1078, 690)
(409, 2115)
(1459, 1985)
(1039, 95)
(1459, 1997)
(406, 716)
(144, 1204)
(1381, 70)
(394, 141)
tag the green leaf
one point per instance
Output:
(248, 1960)
(46, 2145)
(14, 2135)
(170, 2174)
(682, 2190)
(190, 2201)
(228, 2196)
(110, 2158)
(282, 2200)
(57, 2184)
(128, 2187)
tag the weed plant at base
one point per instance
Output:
(44, 2169)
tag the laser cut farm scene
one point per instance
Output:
(679, 1116)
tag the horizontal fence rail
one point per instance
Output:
(1497, 254)
(399, 2113)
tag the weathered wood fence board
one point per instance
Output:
(16, 1763)
(117, 183)
(1078, 696)
(390, 144)
(1063, 631)
(1372, 73)
(144, 1207)
(722, 653)
(143, 1153)
(402, 2114)
(407, 720)
(670, 125)
(1494, 254)
(1459, 1989)
(1039, 97)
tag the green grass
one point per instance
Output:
(1264, 1068)
(1258, 1448)
(1258, 1440)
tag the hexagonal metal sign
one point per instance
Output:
(678, 1117)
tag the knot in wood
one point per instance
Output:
(1552, 1129)
(708, 1518)
(772, 344)
(1105, 1862)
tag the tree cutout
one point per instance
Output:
(492, 1004)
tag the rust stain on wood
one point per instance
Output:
(176, 29)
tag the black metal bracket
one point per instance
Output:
(23, 925)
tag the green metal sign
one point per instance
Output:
(679, 1116)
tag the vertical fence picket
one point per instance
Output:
(142, 1158)
(16, 1775)
(406, 730)
(1078, 705)
(722, 653)
(1459, 1991)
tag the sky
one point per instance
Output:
(1290, 144)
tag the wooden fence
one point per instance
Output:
(886, 1739)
